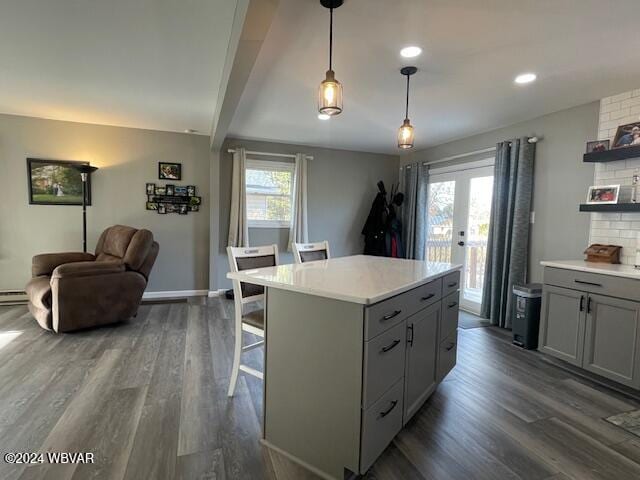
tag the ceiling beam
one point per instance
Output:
(250, 26)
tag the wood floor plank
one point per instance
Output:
(206, 465)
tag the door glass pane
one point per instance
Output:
(440, 221)
(480, 191)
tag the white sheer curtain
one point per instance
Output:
(298, 232)
(238, 227)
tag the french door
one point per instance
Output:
(459, 210)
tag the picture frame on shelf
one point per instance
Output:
(598, 146)
(603, 194)
(627, 135)
(169, 171)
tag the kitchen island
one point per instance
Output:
(354, 347)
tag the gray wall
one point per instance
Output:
(128, 158)
(341, 184)
(561, 178)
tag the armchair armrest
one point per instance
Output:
(46, 263)
(87, 269)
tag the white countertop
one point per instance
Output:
(358, 279)
(616, 270)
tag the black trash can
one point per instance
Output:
(526, 315)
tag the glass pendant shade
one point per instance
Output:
(330, 95)
(405, 135)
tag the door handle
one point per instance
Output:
(410, 339)
(391, 346)
(391, 315)
(424, 299)
(588, 283)
(581, 303)
(452, 284)
(589, 305)
(450, 347)
(461, 243)
(452, 304)
(388, 410)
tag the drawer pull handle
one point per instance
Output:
(388, 410)
(391, 315)
(450, 347)
(452, 284)
(452, 304)
(391, 346)
(431, 295)
(410, 339)
(588, 283)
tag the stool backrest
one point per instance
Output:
(309, 252)
(249, 258)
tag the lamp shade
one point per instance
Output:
(85, 168)
(330, 95)
(405, 135)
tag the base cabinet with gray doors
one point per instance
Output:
(592, 321)
(342, 379)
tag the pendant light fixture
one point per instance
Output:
(330, 91)
(406, 133)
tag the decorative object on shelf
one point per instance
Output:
(85, 173)
(56, 182)
(172, 199)
(627, 135)
(603, 253)
(169, 171)
(598, 146)
(613, 154)
(330, 91)
(406, 133)
(605, 194)
(635, 179)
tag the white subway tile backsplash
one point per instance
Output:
(620, 97)
(620, 225)
(610, 107)
(622, 113)
(630, 102)
(600, 224)
(630, 217)
(608, 232)
(628, 234)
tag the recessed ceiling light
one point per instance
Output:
(525, 78)
(324, 116)
(410, 52)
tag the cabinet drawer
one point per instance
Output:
(380, 423)
(383, 362)
(447, 355)
(450, 312)
(613, 286)
(450, 283)
(425, 295)
(384, 315)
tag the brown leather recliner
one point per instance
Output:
(72, 291)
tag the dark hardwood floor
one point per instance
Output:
(148, 398)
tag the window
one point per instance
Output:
(269, 193)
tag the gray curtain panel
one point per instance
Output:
(414, 183)
(508, 247)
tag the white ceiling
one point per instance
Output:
(581, 50)
(153, 64)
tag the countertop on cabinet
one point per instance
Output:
(616, 270)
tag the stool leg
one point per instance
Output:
(236, 353)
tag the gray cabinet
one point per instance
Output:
(600, 333)
(562, 328)
(422, 352)
(611, 339)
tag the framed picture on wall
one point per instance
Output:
(603, 194)
(598, 146)
(55, 182)
(151, 188)
(627, 135)
(169, 171)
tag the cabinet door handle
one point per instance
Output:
(452, 284)
(391, 315)
(450, 347)
(431, 295)
(391, 346)
(582, 282)
(589, 305)
(452, 304)
(388, 410)
(581, 303)
(410, 339)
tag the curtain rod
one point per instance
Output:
(475, 152)
(284, 155)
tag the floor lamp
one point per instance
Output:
(85, 170)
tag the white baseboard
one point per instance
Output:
(174, 294)
(13, 297)
(217, 293)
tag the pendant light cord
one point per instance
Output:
(406, 111)
(331, 38)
